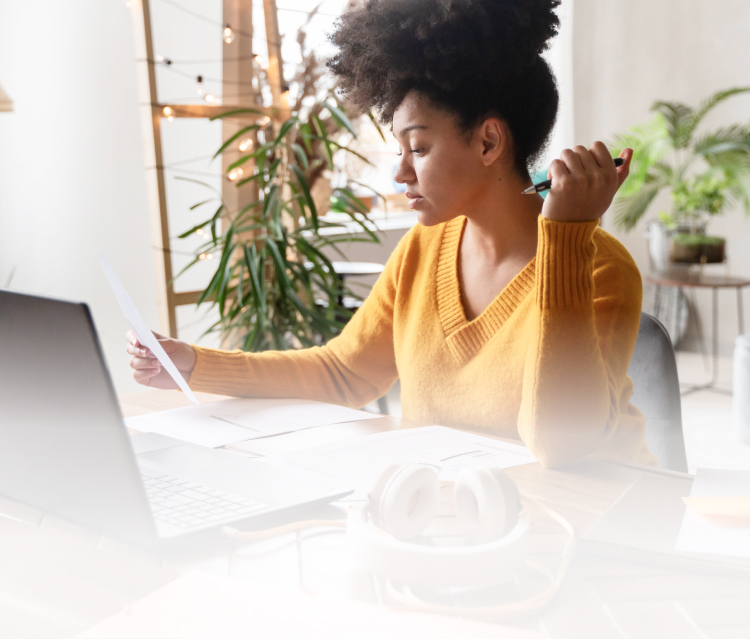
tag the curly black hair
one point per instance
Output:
(475, 58)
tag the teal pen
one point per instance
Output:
(543, 186)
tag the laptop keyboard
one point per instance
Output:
(187, 504)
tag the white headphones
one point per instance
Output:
(403, 503)
(385, 537)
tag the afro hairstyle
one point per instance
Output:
(473, 58)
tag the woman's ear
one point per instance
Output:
(496, 141)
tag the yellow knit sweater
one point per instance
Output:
(547, 360)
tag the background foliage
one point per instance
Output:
(274, 286)
(705, 173)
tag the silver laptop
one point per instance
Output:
(65, 450)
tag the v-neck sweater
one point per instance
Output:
(545, 362)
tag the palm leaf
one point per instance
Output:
(677, 117)
(707, 105)
(231, 139)
(630, 209)
(650, 143)
(728, 145)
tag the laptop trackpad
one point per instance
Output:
(184, 461)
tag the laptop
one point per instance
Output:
(65, 450)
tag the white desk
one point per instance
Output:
(44, 592)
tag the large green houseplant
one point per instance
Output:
(705, 173)
(274, 284)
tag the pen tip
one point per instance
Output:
(529, 190)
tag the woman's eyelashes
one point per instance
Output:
(419, 152)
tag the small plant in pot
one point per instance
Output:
(694, 202)
(705, 173)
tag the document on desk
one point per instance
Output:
(216, 424)
(359, 462)
(141, 329)
(717, 526)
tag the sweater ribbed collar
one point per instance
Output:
(466, 338)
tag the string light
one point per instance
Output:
(206, 256)
(265, 121)
(246, 144)
(211, 99)
(228, 34)
(234, 174)
(162, 60)
(199, 89)
(168, 113)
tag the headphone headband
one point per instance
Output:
(471, 565)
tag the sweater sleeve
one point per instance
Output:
(587, 311)
(352, 369)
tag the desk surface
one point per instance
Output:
(42, 594)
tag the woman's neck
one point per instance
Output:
(502, 223)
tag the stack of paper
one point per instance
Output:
(219, 423)
(358, 462)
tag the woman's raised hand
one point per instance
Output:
(146, 368)
(584, 181)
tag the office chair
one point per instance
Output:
(656, 392)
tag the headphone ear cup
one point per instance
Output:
(487, 503)
(404, 499)
(512, 498)
(376, 493)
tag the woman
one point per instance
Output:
(494, 317)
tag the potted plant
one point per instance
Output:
(705, 173)
(274, 286)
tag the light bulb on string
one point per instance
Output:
(199, 88)
(168, 113)
(209, 256)
(228, 34)
(202, 256)
(246, 144)
(234, 174)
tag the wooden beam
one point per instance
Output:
(151, 114)
(182, 298)
(279, 90)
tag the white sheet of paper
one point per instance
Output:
(216, 424)
(358, 462)
(701, 535)
(295, 441)
(141, 329)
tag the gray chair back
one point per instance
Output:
(656, 392)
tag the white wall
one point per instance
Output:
(72, 182)
(629, 54)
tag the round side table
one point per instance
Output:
(683, 278)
